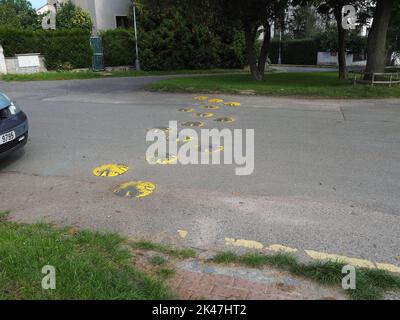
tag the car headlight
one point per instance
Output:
(13, 109)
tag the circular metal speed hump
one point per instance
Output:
(135, 189)
(162, 159)
(233, 104)
(215, 101)
(200, 98)
(110, 170)
(225, 120)
(211, 107)
(210, 148)
(204, 115)
(194, 124)
(186, 110)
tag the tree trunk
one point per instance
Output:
(376, 48)
(341, 43)
(264, 49)
(250, 38)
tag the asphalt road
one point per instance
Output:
(327, 172)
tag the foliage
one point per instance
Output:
(301, 52)
(61, 48)
(118, 47)
(18, 14)
(70, 16)
(328, 41)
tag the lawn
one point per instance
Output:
(89, 265)
(314, 84)
(66, 75)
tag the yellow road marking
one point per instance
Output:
(135, 189)
(233, 104)
(200, 98)
(281, 248)
(110, 170)
(215, 101)
(334, 257)
(244, 243)
(183, 233)
(388, 267)
(204, 115)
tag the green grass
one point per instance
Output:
(89, 265)
(185, 253)
(158, 261)
(371, 284)
(314, 84)
(65, 75)
(165, 273)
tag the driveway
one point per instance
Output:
(326, 180)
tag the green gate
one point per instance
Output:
(98, 57)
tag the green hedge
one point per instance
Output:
(60, 47)
(302, 52)
(118, 47)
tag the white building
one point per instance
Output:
(105, 14)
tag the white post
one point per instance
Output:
(3, 66)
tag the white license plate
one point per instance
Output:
(7, 137)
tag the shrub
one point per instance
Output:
(118, 47)
(60, 47)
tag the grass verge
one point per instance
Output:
(89, 266)
(185, 253)
(371, 284)
(65, 75)
(310, 84)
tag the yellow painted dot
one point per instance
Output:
(166, 130)
(183, 233)
(204, 115)
(200, 98)
(135, 189)
(186, 110)
(210, 148)
(110, 170)
(215, 101)
(225, 120)
(233, 104)
(184, 139)
(194, 124)
(211, 107)
(163, 160)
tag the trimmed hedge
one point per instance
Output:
(118, 47)
(301, 52)
(60, 47)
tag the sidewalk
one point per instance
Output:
(200, 280)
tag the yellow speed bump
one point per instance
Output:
(225, 120)
(194, 124)
(204, 115)
(233, 104)
(200, 98)
(186, 110)
(110, 170)
(211, 107)
(135, 189)
(164, 160)
(215, 101)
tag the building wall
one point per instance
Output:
(102, 12)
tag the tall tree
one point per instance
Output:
(376, 48)
(251, 15)
(70, 16)
(334, 8)
(18, 14)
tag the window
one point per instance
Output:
(122, 21)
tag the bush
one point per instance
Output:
(302, 52)
(60, 47)
(118, 47)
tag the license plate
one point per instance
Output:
(7, 137)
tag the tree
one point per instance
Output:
(334, 8)
(250, 15)
(376, 47)
(18, 14)
(70, 16)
